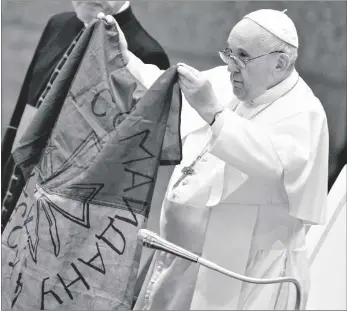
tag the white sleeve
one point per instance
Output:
(147, 74)
(293, 151)
(245, 146)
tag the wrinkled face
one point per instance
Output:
(248, 40)
(87, 10)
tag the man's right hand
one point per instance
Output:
(123, 44)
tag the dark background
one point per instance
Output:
(193, 32)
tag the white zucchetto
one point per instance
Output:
(276, 22)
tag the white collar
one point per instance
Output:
(277, 91)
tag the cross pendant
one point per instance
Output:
(188, 170)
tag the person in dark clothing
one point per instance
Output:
(57, 36)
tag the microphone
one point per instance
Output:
(154, 241)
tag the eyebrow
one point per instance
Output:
(244, 51)
(238, 49)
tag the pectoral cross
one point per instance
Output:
(187, 170)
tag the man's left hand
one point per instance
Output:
(198, 92)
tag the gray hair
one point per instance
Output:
(276, 44)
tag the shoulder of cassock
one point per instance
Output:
(301, 140)
(300, 100)
(299, 120)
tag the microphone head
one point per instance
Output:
(147, 237)
(144, 234)
(153, 240)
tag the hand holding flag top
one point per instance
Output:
(198, 91)
(123, 44)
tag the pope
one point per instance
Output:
(253, 175)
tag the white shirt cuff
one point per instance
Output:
(218, 124)
(216, 128)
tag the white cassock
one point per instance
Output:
(246, 208)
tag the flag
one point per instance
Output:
(89, 160)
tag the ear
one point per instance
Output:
(282, 62)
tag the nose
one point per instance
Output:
(232, 67)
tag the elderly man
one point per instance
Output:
(253, 175)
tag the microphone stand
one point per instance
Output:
(152, 240)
